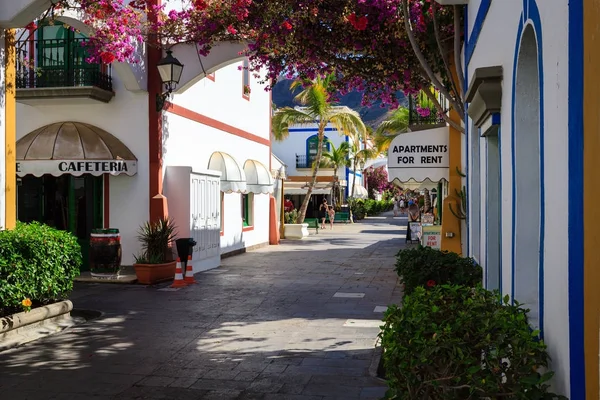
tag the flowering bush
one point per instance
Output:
(365, 43)
(457, 343)
(377, 180)
(37, 266)
(424, 266)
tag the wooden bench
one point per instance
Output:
(340, 217)
(312, 223)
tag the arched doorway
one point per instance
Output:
(527, 177)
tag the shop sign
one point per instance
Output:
(76, 167)
(420, 155)
(432, 236)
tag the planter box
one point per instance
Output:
(23, 327)
(149, 274)
(295, 231)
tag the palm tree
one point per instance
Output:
(358, 158)
(390, 128)
(337, 158)
(320, 109)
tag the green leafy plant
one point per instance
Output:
(424, 266)
(156, 238)
(363, 207)
(459, 343)
(290, 217)
(37, 266)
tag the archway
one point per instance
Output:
(527, 179)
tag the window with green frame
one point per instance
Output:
(248, 209)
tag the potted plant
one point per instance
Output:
(291, 229)
(155, 263)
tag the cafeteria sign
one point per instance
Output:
(76, 167)
(419, 155)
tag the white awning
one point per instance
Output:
(376, 162)
(233, 178)
(258, 177)
(414, 185)
(278, 168)
(360, 192)
(302, 187)
(73, 148)
(419, 156)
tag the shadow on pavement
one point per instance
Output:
(292, 321)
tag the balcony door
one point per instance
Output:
(62, 57)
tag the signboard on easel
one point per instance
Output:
(432, 236)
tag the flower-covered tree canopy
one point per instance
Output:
(379, 46)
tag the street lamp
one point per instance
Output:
(169, 69)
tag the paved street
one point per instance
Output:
(295, 321)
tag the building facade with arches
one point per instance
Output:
(95, 150)
(531, 185)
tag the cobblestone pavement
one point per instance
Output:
(296, 321)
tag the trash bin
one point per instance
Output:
(185, 248)
(105, 253)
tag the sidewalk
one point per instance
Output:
(296, 321)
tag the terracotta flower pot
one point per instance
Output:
(148, 274)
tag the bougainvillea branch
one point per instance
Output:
(425, 65)
(370, 45)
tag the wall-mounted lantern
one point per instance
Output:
(170, 70)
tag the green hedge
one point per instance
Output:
(37, 262)
(424, 266)
(457, 343)
(364, 207)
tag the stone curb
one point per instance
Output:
(23, 327)
(375, 360)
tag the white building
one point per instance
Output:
(94, 150)
(298, 152)
(532, 187)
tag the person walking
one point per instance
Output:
(331, 216)
(323, 213)
(402, 206)
(396, 207)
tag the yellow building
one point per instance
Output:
(13, 14)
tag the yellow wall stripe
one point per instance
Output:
(11, 130)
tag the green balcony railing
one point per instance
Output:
(422, 113)
(52, 63)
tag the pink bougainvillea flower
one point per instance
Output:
(430, 283)
(286, 25)
(231, 30)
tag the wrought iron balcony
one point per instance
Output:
(420, 114)
(57, 68)
(302, 161)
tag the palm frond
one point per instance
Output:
(286, 117)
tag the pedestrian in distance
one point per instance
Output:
(396, 208)
(331, 216)
(323, 213)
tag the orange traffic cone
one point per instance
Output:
(189, 272)
(178, 282)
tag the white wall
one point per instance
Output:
(492, 50)
(295, 143)
(126, 117)
(191, 143)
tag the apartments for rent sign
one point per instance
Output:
(419, 155)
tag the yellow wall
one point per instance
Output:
(11, 132)
(591, 181)
(451, 224)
